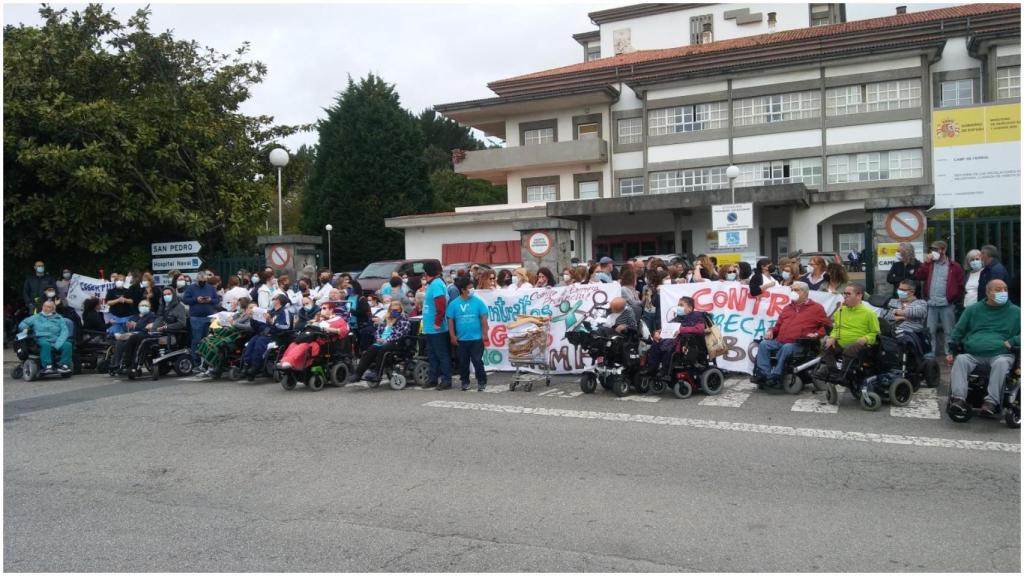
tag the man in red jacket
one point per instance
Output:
(803, 318)
(942, 282)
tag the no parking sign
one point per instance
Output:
(279, 256)
(905, 224)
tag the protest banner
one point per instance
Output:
(81, 288)
(567, 306)
(741, 317)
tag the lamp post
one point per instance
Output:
(732, 172)
(279, 158)
(329, 228)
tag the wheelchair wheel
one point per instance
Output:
(792, 383)
(588, 383)
(1011, 412)
(900, 392)
(658, 385)
(287, 381)
(931, 373)
(618, 384)
(712, 381)
(235, 373)
(17, 372)
(269, 367)
(183, 365)
(682, 389)
(831, 394)
(421, 373)
(642, 383)
(339, 374)
(870, 401)
(316, 382)
(398, 382)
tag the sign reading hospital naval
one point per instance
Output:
(175, 248)
(976, 156)
(732, 216)
(177, 263)
(81, 288)
(566, 306)
(741, 317)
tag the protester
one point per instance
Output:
(605, 266)
(985, 333)
(235, 291)
(435, 304)
(34, 286)
(202, 301)
(487, 280)
(92, 318)
(972, 267)
(905, 266)
(264, 329)
(504, 278)
(621, 317)
(745, 271)
(307, 313)
(64, 284)
(627, 279)
(467, 330)
(762, 279)
(704, 270)
(993, 269)
(51, 333)
(802, 318)
(387, 337)
(942, 287)
(836, 278)
(214, 348)
(300, 354)
(855, 328)
(136, 328)
(521, 279)
(266, 289)
(690, 322)
(817, 276)
(120, 305)
(545, 278)
(729, 273)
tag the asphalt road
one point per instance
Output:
(102, 475)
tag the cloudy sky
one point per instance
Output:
(432, 53)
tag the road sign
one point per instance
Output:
(539, 244)
(177, 263)
(279, 256)
(905, 224)
(172, 248)
(732, 216)
(732, 239)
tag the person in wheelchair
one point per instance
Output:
(265, 329)
(802, 318)
(621, 321)
(215, 348)
(171, 318)
(388, 338)
(984, 336)
(50, 332)
(135, 330)
(907, 315)
(854, 328)
(691, 323)
(325, 328)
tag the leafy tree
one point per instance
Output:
(442, 135)
(452, 190)
(369, 166)
(115, 137)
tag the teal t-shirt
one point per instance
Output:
(435, 289)
(466, 314)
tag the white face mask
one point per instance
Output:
(566, 277)
(935, 255)
(143, 310)
(666, 281)
(67, 275)
(119, 284)
(786, 274)
(144, 283)
(794, 296)
(181, 283)
(50, 294)
(128, 281)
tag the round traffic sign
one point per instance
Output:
(279, 256)
(539, 244)
(905, 224)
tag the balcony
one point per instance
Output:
(495, 164)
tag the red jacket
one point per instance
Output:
(799, 320)
(954, 280)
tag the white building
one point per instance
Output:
(828, 121)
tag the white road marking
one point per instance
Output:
(817, 405)
(360, 384)
(735, 393)
(549, 391)
(924, 404)
(640, 398)
(822, 434)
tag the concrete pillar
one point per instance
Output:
(290, 253)
(677, 231)
(545, 243)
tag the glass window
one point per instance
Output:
(545, 193)
(687, 118)
(777, 108)
(588, 190)
(629, 131)
(844, 100)
(1008, 82)
(593, 52)
(631, 186)
(851, 242)
(957, 93)
(586, 131)
(894, 95)
(693, 180)
(838, 169)
(540, 136)
(873, 166)
(805, 170)
(905, 164)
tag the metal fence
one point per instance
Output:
(1003, 232)
(229, 265)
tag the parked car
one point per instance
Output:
(377, 273)
(452, 269)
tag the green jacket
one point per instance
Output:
(52, 329)
(983, 328)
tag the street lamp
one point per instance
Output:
(329, 228)
(279, 158)
(732, 172)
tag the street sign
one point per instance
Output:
(905, 224)
(177, 263)
(732, 216)
(539, 244)
(172, 248)
(732, 239)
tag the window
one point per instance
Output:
(821, 15)
(805, 170)
(697, 27)
(630, 130)
(777, 108)
(873, 166)
(586, 131)
(957, 93)
(541, 136)
(593, 51)
(688, 180)
(545, 193)
(851, 242)
(631, 186)
(873, 97)
(588, 190)
(687, 118)
(1008, 82)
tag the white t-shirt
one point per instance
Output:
(231, 297)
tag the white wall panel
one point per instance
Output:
(768, 79)
(781, 141)
(688, 151)
(874, 132)
(868, 67)
(629, 160)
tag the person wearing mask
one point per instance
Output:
(745, 271)
(627, 279)
(984, 335)
(266, 290)
(386, 337)
(729, 273)
(307, 313)
(907, 314)
(651, 300)
(790, 272)
(762, 279)
(504, 278)
(704, 270)
(120, 304)
(234, 292)
(181, 282)
(545, 278)
(202, 301)
(64, 284)
(301, 354)
(435, 303)
(136, 328)
(51, 333)
(467, 330)
(214, 348)
(690, 322)
(817, 276)
(32, 291)
(148, 291)
(322, 294)
(855, 327)
(604, 270)
(273, 322)
(942, 287)
(905, 266)
(131, 283)
(622, 319)
(837, 278)
(802, 318)
(521, 279)
(487, 281)
(92, 319)
(972, 269)
(992, 269)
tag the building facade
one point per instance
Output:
(828, 122)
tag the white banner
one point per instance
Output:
(741, 317)
(567, 306)
(81, 288)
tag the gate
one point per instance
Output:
(230, 265)
(1002, 232)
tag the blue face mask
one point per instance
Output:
(786, 274)
(396, 313)
(976, 265)
(143, 310)
(168, 298)
(1002, 297)
(902, 294)
(730, 276)
(309, 307)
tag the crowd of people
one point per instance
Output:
(928, 298)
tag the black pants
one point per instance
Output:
(374, 354)
(125, 349)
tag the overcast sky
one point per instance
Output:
(432, 53)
